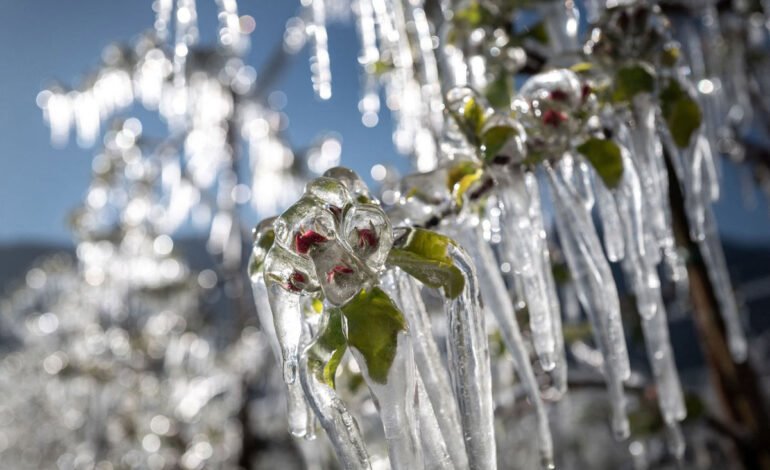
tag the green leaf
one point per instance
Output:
(632, 80)
(604, 156)
(494, 139)
(374, 322)
(681, 112)
(425, 255)
(325, 354)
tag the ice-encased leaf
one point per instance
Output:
(373, 324)
(425, 255)
(469, 111)
(632, 80)
(463, 177)
(606, 159)
(503, 137)
(681, 112)
(328, 349)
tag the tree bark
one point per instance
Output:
(736, 386)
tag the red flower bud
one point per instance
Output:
(553, 118)
(304, 241)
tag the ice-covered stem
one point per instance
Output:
(316, 368)
(497, 301)
(433, 376)
(736, 384)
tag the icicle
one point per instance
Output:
(675, 441)
(497, 302)
(230, 35)
(431, 84)
(320, 65)
(640, 265)
(559, 372)
(714, 259)
(369, 105)
(640, 261)
(435, 452)
(653, 174)
(298, 414)
(405, 291)
(561, 21)
(163, 9)
(661, 357)
(469, 367)
(596, 291)
(396, 409)
(520, 245)
(611, 228)
(340, 426)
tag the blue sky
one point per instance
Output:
(42, 40)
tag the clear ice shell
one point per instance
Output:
(329, 190)
(304, 218)
(340, 273)
(350, 180)
(368, 233)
